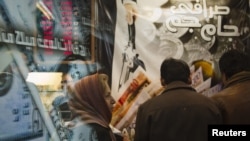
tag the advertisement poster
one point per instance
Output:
(196, 31)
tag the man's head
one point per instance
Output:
(174, 70)
(233, 62)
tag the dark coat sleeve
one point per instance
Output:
(141, 121)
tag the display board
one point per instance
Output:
(196, 31)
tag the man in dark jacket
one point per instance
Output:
(234, 99)
(179, 113)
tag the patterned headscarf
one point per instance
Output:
(87, 101)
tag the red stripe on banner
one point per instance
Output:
(48, 29)
(66, 12)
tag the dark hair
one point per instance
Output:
(64, 66)
(232, 62)
(174, 70)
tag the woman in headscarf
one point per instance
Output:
(91, 104)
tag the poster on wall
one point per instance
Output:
(196, 31)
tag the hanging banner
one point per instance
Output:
(196, 31)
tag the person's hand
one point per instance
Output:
(128, 135)
(131, 12)
(125, 135)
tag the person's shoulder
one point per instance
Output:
(94, 131)
(223, 93)
(219, 94)
(154, 102)
(77, 124)
(82, 131)
(145, 104)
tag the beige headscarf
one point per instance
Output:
(87, 101)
